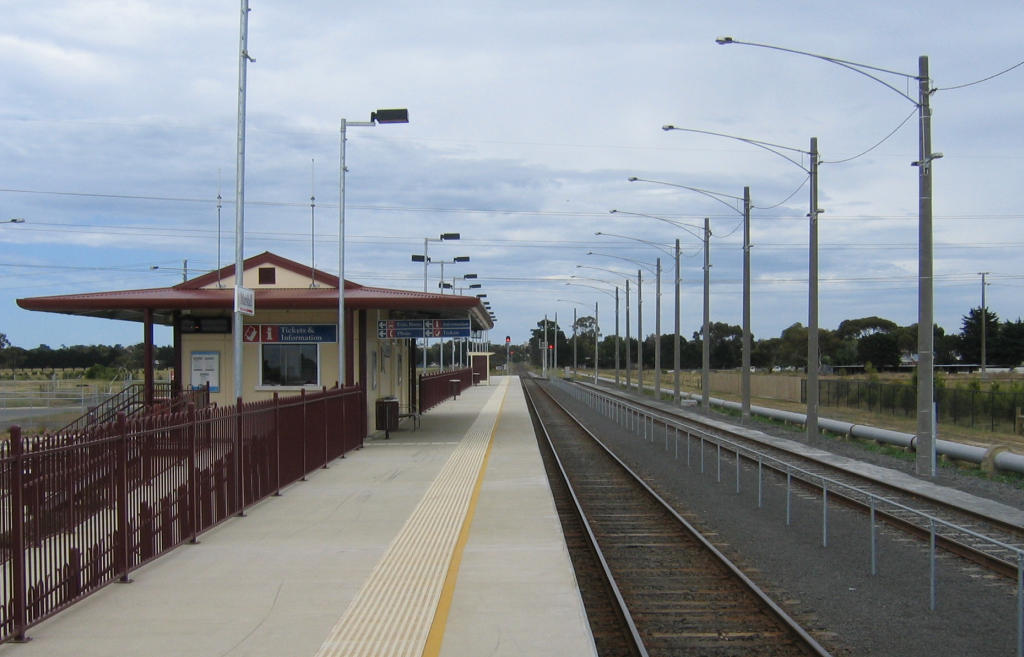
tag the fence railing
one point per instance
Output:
(990, 410)
(79, 511)
(131, 400)
(439, 386)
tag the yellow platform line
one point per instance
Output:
(392, 614)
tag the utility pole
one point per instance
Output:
(705, 374)
(639, 333)
(675, 346)
(745, 375)
(984, 321)
(812, 302)
(629, 347)
(544, 350)
(926, 430)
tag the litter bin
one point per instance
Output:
(387, 415)
(453, 387)
(476, 378)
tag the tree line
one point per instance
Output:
(867, 341)
(79, 356)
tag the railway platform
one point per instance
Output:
(442, 541)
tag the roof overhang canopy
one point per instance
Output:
(167, 303)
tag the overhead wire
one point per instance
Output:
(985, 79)
(883, 140)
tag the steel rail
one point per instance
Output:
(621, 606)
(839, 482)
(805, 639)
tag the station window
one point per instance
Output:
(290, 365)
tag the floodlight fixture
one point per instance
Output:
(390, 116)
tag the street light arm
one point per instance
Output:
(660, 247)
(594, 287)
(856, 67)
(597, 280)
(677, 224)
(645, 265)
(712, 195)
(610, 271)
(768, 146)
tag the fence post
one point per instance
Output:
(342, 415)
(305, 467)
(20, 620)
(124, 540)
(277, 445)
(323, 419)
(240, 457)
(193, 478)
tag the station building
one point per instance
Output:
(290, 343)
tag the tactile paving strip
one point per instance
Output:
(391, 615)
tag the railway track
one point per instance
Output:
(987, 541)
(666, 590)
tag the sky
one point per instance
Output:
(118, 131)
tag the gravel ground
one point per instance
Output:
(831, 589)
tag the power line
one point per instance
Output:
(985, 79)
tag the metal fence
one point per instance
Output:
(79, 511)
(47, 394)
(989, 410)
(437, 387)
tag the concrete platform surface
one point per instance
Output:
(442, 541)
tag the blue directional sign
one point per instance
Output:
(410, 329)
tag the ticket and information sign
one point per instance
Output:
(290, 333)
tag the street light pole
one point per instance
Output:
(243, 61)
(629, 348)
(984, 321)
(380, 116)
(812, 301)
(597, 334)
(639, 332)
(812, 306)
(925, 461)
(597, 330)
(705, 375)
(745, 361)
(926, 437)
(678, 308)
(676, 346)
